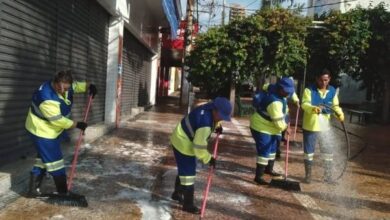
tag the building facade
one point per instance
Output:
(113, 44)
(321, 6)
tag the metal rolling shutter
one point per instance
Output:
(82, 47)
(37, 38)
(136, 74)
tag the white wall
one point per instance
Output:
(153, 78)
(342, 5)
(115, 35)
(350, 92)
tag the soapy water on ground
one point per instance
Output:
(334, 141)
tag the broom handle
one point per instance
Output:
(78, 144)
(296, 124)
(287, 151)
(209, 178)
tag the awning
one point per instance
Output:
(170, 12)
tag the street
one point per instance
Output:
(129, 174)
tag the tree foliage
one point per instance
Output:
(270, 42)
(339, 43)
(375, 63)
(285, 51)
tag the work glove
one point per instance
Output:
(212, 162)
(81, 125)
(92, 90)
(316, 110)
(218, 130)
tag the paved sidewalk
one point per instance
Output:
(129, 174)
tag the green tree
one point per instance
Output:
(339, 44)
(268, 42)
(285, 52)
(375, 63)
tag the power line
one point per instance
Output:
(251, 3)
(254, 10)
(335, 3)
(316, 6)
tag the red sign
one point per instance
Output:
(178, 43)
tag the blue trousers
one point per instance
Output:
(49, 156)
(266, 145)
(186, 166)
(310, 139)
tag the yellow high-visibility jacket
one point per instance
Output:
(49, 113)
(313, 97)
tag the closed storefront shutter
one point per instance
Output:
(38, 38)
(136, 74)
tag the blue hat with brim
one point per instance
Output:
(287, 84)
(224, 108)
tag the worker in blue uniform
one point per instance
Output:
(267, 123)
(319, 102)
(294, 98)
(189, 141)
(47, 118)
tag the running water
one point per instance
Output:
(343, 193)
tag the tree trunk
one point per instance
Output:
(386, 102)
(232, 95)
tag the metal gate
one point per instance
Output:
(38, 38)
(136, 74)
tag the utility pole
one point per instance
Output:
(223, 12)
(185, 85)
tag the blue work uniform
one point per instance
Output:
(316, 126)
(266, 125)
(190, 139)
(48, 117)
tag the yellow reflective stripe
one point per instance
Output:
(201, 147)
(262, 160)
(278, 119)
(309, 156)
(39, 163)
(187, 180)
(53, 166)
(189, 127)
(328, 157)
(54, 118)
(272, 156)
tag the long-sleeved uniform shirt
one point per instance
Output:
(49, 113)
(313, 97)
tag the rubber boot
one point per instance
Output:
(269, 169)
(60, 181)
(328, 172)
(308, 165)
(62, 187)
(188, 203)
(35, 185)
(259, 174)
(177, 195)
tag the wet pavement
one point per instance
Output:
(129, 174)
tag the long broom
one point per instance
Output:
(209, 178)
(294, 142)
(285, 183)
(73, 199)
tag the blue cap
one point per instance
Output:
(224, 108)
(287, 84)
